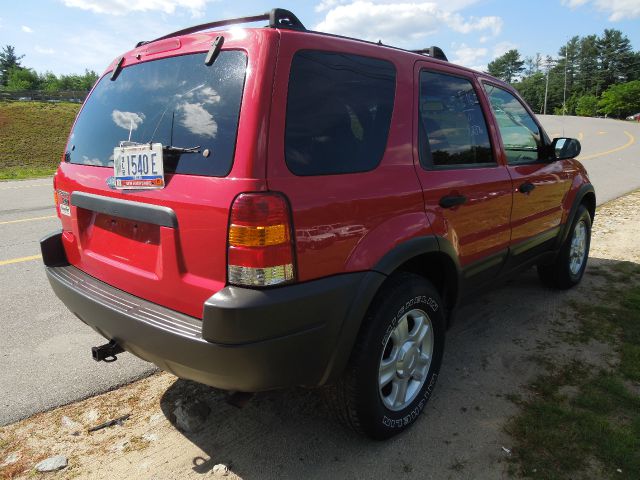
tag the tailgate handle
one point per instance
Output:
(138, 211)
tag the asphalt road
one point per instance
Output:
(45, 356)
(45, 351)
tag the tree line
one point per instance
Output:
(591, 75)
(15, 77)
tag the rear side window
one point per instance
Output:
(338, 112)
(176, 101)
(453, 130)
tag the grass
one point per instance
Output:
(594, 430)
(33, 137)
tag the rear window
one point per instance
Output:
(338, 112)
(176, 101)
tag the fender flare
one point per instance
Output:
(369, 286)
(585, 189)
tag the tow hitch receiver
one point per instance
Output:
(107, 352)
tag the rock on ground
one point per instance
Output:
(52, 464)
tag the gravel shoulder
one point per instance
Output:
(179, 429)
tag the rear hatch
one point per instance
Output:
(167, 245)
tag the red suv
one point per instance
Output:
(260, 208)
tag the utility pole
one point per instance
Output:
(546, 87)
(546, 91)
(564, 95)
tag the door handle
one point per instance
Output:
(450, 201)
(526, 187)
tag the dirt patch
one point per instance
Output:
(499, 343)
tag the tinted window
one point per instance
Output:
(176, 101)
(453, 130)
(338, 112)
(520, 134)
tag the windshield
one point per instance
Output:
(178, 102)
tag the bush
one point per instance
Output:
(587, 106)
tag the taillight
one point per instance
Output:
(260, 250)
(55, 196)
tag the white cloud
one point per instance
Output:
(197, 120)
(26, 29)
(400, 23)
(449, 6)
(617, 9)
(574, 3)
(327, 4)
(122, 7)
(468, 56)
(503, 47)
(43, 50)
(127, 120)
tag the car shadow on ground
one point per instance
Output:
(490, 355)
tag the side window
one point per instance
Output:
(520, 134)
(338, 112)
(453, 130)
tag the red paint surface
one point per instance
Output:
(340, 222)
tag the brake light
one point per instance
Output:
(55, 196)
(260, 247)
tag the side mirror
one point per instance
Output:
(565, 148)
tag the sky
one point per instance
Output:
(69, 36)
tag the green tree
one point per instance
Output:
(532, 90)
(507, 67)
(621, 100)
(8, 60)
(616, 58)
(586, 80)
(78, 82)
(587, 106)
(20, 78)
(49, 82)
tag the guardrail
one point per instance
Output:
(76, 96)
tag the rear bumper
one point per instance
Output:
(248, 340)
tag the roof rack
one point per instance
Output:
(278, 18)
(281, 18)
(434, 52)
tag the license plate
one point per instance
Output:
(138, 166)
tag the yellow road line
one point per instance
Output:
(631, 141)
(580, 136)
(18, 260)
(32, 219)
(28, 186)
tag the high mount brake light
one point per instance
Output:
(260, 248)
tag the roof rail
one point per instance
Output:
(434, 52)
(278, 18)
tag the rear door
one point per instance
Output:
(467, 191)
(539, 183)
(166, 245)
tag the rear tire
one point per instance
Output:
(569, 266)
(396, 359)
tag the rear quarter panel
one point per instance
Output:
(348, 222)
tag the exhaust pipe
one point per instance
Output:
(107, 352)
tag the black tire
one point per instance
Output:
(357, 398)
(559, 274)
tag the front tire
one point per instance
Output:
(571, 262)
(396, 360)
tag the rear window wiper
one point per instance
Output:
(172, 149)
